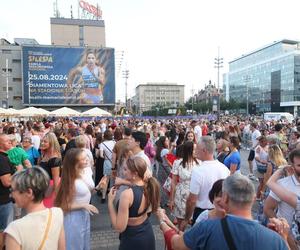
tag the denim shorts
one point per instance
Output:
(6, 215)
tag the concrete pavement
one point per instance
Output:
(103, 237)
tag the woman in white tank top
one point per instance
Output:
(73, 197)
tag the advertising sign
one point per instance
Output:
(67, 76)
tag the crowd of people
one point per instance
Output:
(188, 173)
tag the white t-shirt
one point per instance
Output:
(89, 156)
(285, 210)
(107, 148)
(255, 134)
(29, 230)
(146, 158)
(203, 178)
(82, 191)
(198, 133)
(36, 140)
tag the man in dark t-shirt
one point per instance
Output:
(6, 171)
(72, 133)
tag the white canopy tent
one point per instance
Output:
(65, 112)
(32, 111)
(96, 112)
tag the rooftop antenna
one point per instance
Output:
(56, 11)
(71, 12)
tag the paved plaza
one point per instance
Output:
(103, 237)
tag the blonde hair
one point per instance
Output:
(54, 145)
(80, 141)
(276, 156)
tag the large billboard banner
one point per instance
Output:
(64, 76)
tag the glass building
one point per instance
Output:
(268, 78)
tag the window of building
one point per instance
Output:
(8, 70)
(17, 79)
(9, 88)
(6, 51)
(16, 60)
(17, 98)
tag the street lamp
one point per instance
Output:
(126, 76)
(247, 79)
(6, 75)
(218, 65)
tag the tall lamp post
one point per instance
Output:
(6, 75)
(247, 79)
(218, 65)
(126, 76)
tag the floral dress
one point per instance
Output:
(182, 188)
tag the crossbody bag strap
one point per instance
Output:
(46, 230)
(105, 154)
(227, 234)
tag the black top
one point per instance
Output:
(70, 144)
(51, 163)
(5, 168)
(61, 141)
(138, 192)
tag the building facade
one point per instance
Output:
(11, 75)
(206, 95)
(268, 79)
(158, 94)
(77, 32)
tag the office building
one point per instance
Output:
(11, 73)
(158, 94)
(77, 32)
(268, 79)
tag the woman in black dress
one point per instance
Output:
(51, 163)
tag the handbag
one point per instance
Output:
(227, 234)
(46, 230)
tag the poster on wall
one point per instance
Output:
(68, 76)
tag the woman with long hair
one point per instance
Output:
(276, 160)
(99, 161)
(73, 197)
(51, 163)
(131, 219)
(222, 150)
(162, 149)
(190, 136)
(106, 152)
(180, 191)
(233, 160)
(261, 160)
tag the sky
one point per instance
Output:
(167, 40)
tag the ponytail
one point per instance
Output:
(152, 193)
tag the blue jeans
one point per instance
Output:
(6, 215)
